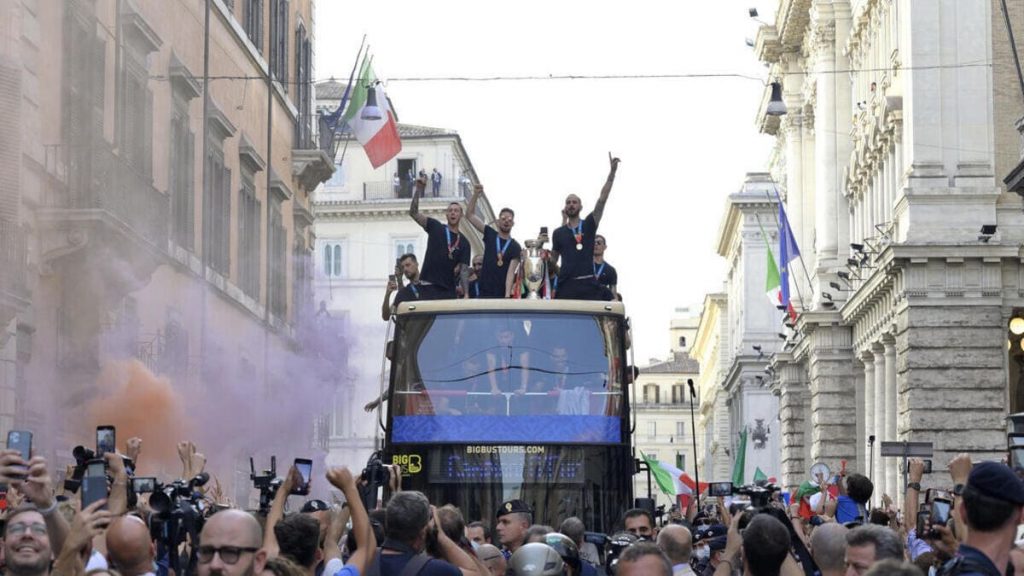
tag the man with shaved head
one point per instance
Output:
(677, 543)
(828, 548)
(129, 547)
(231, 541)
(572, 246)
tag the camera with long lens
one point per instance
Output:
(82, 457)
(760, 494)
(374, 476)
(179, 512)
(266, 482)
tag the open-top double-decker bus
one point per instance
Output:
(492, 400)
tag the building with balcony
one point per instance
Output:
(148, 214)
(663, 423)
(362, 227)
(899, 127)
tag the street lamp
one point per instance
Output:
(1017, 325)
(371, 111)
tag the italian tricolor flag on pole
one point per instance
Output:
(772, 285)
(379, 138)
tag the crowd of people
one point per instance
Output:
(575, 261)
(46, 530)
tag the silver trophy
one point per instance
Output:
(534, 268)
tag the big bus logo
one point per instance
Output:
(410, 463)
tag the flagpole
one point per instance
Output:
(345, 149)
(693, 432)
(778, 226)
(344, 97)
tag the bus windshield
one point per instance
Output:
(521, 377)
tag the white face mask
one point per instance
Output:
(703, 553)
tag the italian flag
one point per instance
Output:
(673, 481)
(772, 285)
(379, 138)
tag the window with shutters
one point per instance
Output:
(303, 89)
(678, 394)
(302, 288)
(680, 429)
(248, 236)
(277, 261)
(84, 72)
(181, 177)
(253, 22)
(332, 259)
(680, 461)
(652, 429)
(136, 125)
(651, 394)
(217, 209)
(279, 33)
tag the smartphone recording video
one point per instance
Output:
(105, 440)
(20, 440)
(143, 485)
(305, 469)
(720, 489)
(94, 483)
(940, 511)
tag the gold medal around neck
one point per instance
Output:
(501, 261)
(579, 246)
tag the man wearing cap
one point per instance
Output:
(514, 519)
(993, 506)
(715, 547)
(703, 538)
(320, 512)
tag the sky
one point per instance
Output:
(685, 143)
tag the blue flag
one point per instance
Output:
(788, 251)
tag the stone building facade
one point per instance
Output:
(128, 235)
(899, 129)
(737, 333)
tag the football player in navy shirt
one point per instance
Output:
(501, 252)
(572, 246)
(605, 273)
(411, 271)
(446, 262)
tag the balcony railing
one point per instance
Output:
(98, 179)
(389, 191)
(13, 261)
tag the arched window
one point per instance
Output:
(332, 260)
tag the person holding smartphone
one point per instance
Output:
(32, 479)
(572, 246)
(411, 271)
(501, 252)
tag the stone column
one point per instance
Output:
(879, 476)
(793, 399)
(869, 411)
(829, 350)
(892, 481)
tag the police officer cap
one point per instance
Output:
(536, 559)
(513, 507)
(717, 543)
(997, 481)
(710, 531)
